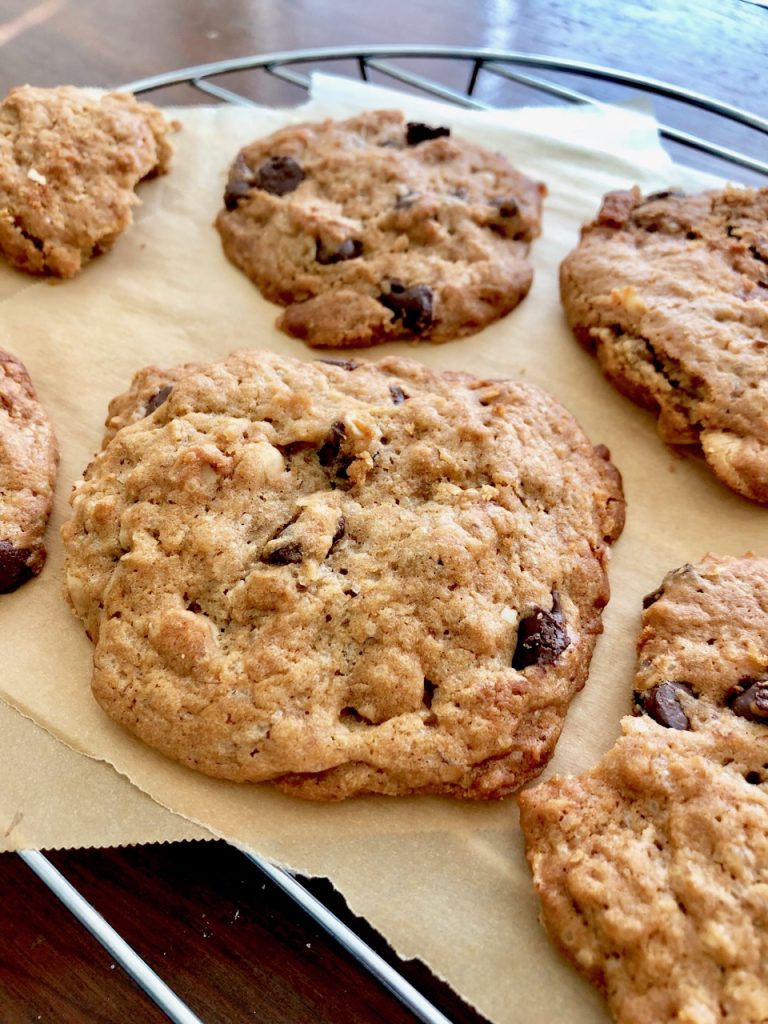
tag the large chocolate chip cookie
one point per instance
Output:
(343, 577)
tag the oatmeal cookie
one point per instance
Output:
(671, 293)
(28, 460)
(371, 229)
(69, 164)
(344, 577)
(652, 867)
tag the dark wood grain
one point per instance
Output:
(230, 943)
(223, 936)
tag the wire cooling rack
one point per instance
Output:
(475, 67)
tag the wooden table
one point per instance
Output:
(227, 940)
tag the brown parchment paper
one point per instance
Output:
(52, 797)
(443, 881)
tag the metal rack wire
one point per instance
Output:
(477, 63)
(292, 67)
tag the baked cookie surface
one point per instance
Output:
(371, 230)
(652, 867)
(69, 164)
(671, 293)
(343, 577)
(28, 460)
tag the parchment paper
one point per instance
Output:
(52, 797)
(443, 881)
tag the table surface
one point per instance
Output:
(226, 939)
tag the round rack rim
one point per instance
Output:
(479, 56)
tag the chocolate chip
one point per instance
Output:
(668, 193)
(398, 395)
(416, 132)
(279, 175)
(193, 606)
(157, 399)
(662, 704)
(239, 184)
(328, 452)
(13, 566)
(411, 305)
(507, 207)
(349, 249)
(749, 699)
(286, 555)
(345, 364)
(653, 597)
(341, 529)
(753, 778)
(541, 636)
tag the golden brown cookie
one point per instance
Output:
(69, 164)
(652, 867)
(671, 294)
(371, 229)
(28, 460)
(344, 577)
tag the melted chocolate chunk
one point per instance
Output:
(239, 184)
(411, 305)
(286, 555)
(416, 132)
(345, 364)
(541, 636)
(662, 704)
(157, 399)
(328, 452)
(279, 175)
(398, 395)
(653, 597)
(13, 567)
(749, 699)
(349, 249)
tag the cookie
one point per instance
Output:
(652, 867)
(344, 577)
(69, 164)
(28, 460)
(371, 230)
(671, 294)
